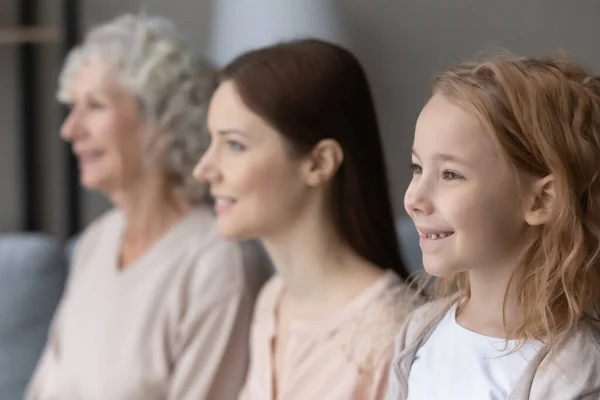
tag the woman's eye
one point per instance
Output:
(416, 169)
(95, 105)
(236, 146)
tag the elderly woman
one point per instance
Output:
(158, 306)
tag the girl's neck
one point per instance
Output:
(491, 308)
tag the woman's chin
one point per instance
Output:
(90, 184)
(226, 231)
(95, 183)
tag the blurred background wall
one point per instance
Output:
(401, 43)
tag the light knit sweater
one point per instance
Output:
(173, 325)
(570, 371)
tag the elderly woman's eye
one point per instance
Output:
(95, 104)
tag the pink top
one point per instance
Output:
(345, 356)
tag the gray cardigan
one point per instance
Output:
(571, 371)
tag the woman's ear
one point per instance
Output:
(154, 142)
(541, 201)
(323, 162)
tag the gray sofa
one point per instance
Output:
(33, 271)
(32, 277)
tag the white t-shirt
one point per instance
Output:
(456, 363)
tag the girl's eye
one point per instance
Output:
(451, 175)
(416, 169)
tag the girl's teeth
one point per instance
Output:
(435, 236)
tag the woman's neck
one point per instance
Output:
(321, 272)
(150, 209)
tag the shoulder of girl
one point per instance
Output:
(425, 317)
(571, 369)
(369, 338)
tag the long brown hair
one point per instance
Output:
(544, 116)
(310, 90)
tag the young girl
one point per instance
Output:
(296, 161)
(506, 198)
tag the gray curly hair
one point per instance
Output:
(169, 81)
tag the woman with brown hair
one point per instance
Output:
(506, 198)
(296, 160)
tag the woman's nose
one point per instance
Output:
(206, 170)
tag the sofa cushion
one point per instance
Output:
(32, 278)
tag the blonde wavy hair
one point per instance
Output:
(544, 117)
(170, 82)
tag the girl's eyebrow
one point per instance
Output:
(446, 157)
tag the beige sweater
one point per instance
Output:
(173, 325)
(571, 371)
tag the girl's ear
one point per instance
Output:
(541, 201)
